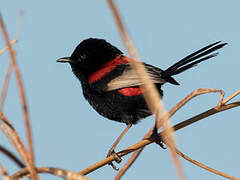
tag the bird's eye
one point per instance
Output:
(83, 56)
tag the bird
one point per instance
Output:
(112, 87)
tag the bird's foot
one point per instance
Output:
(118, 159)
(158, 139)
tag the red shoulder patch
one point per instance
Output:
(131, 91)
(108, 67)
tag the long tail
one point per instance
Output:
(191, 61)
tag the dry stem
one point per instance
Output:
(151, 95)
(231, 97)
(6, 48)
(204, 166)
(12, 136)
(165, 117)
(9, 69)
(11, 156)
(4, 173)
(50, 170)
(5, 85)
(145, 142)
(14, 139)
(23, 99)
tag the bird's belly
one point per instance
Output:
(118, 107)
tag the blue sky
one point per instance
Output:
(69, 134)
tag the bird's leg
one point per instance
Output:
(112, 152)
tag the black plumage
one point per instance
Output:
(91, 56)
(111, 86)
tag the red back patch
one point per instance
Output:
(108, 67)
(131, 91)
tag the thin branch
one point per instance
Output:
(11, 156)
(65, 174)
(12, 136)
(4, 173)
(6, 81)
(14, 139)
(231, 97)
(9, 69)
(167, 116)
(204, 166)
(6, 48)
(23, 98)
(145, 142)
(151, 94)
(193, 94)
(205, 114)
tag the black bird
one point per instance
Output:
(111, 86)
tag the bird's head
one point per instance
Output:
(90, 55)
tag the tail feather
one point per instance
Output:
(184, 68)
(189, 61)
(186, 59)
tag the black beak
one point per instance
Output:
(64, 60)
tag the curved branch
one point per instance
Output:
(204, 166)
(13, 137)
(9, 68)
(50, 170)
(141, 144)
(145, 142)
(164, 118)
(11, 156)
(4, 173)
(22, 96)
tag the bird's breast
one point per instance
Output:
(107, 68)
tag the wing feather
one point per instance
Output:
(129, 78)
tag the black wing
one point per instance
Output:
(128, 78)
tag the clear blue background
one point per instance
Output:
(69, 134)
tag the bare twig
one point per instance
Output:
(231, 97)
(204, 166)
(145, 142)
(205, 114)
(4, 173)
(6, 48)
(191, 96)
(12, 136)
(5, 85)
(168, 115)
(14, 139)
(23, 98)
(50, 170)
(11, 156)
(151, 95)
(9, 69)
